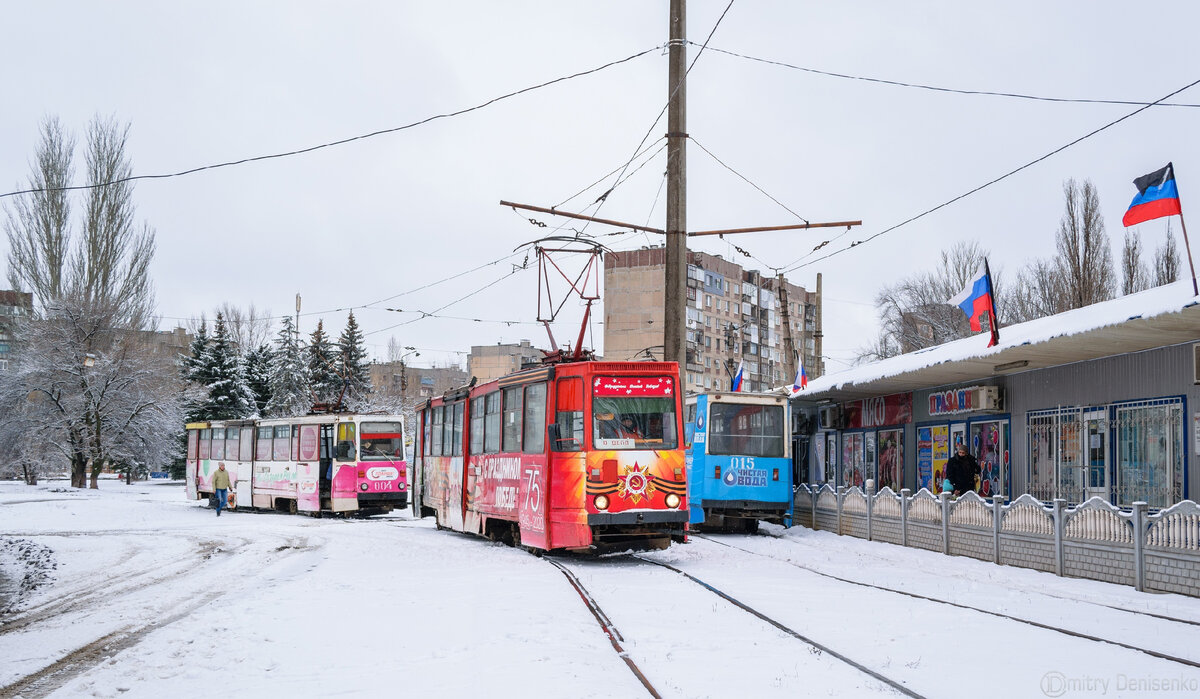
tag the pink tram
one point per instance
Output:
(335, 463)
(580, 456)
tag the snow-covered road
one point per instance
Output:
(146, 594)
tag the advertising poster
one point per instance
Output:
(925, 458)
(891, 460)
(941, 454)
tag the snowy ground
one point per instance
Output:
(133, 591)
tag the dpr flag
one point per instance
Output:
(1157, 197)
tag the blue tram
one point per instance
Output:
(739, 465)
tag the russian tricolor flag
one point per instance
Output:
(801, 381)
(975, 298)
(1157, 197)
(737, 378)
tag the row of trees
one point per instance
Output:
(283, 378)
(84, 388)
(914, 313)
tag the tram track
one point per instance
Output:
(1163, 617)
(992, 613)
(616, 638)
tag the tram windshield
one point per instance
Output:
(381, 441)
(633, 423)
(745, 430)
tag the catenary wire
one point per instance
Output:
(936, 88)
(1005, 176)
(339, 142)
(746, 180)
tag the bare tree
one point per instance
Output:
(1084, 261)
(248, 327)
(88, 387)
(1135, 276)
(37, 224)
(1166, 261)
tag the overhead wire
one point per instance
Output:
(746, 180)
(331, 144)
(1005, 176)
(937, 88)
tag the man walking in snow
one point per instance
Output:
(962, 470)
(221, 486)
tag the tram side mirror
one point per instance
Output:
(344, 451)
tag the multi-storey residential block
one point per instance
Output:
(734, 316)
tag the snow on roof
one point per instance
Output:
(1170, 298)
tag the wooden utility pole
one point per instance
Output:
(789, 343)
(675, 306)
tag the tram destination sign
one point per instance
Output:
(639, 386)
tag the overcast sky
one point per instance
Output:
(346, 226)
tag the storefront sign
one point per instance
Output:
(895, 409)
(964, 400)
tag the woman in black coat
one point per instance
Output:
(962, 470)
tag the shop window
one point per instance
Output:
(891, 460)
(1149, 452)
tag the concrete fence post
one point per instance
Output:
(997, 518)
(905, 497)
(841, 496)
(946, 523)
(870, 490)
(1060, 508)
(1139, 546)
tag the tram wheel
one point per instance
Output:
(292, 507)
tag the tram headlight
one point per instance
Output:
(601, 502)
(363, 486)
(672, 500)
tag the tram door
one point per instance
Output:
(1096, 446)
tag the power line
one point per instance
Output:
(746, 180)
(936, 88)
(331, 144)
(1005, 176)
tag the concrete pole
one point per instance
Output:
(819, 335)
(675, 306)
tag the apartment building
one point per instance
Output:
(488, 362)
(734, 316)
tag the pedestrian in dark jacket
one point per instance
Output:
(961, 470)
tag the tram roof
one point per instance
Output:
(1160, 317)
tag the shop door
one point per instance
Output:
(1096, 444)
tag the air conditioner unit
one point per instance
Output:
(989, 398)
(829, 417)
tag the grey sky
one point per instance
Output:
(208, 82)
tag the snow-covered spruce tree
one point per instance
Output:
(322, 362)
(229, 396)
(195, 368)
(352, 363)
(288, 375)
(258, 376)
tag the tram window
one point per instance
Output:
(435, 439)
(633, 423)
(568, 417)
(247, 444)
(425, 431)
(218, 443)
(477, 425)
(491, 420)
(283, 435)
(345, 451)
(457, 444)
(535, 418)
(381, 441)
(193, 442)
(205, 446)
(512, 419)
(232, 437)
(745, 430)
(447, 430)
(295, 442)
(262, 449)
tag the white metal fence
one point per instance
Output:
(1153, 551)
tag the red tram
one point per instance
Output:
(580, 456)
